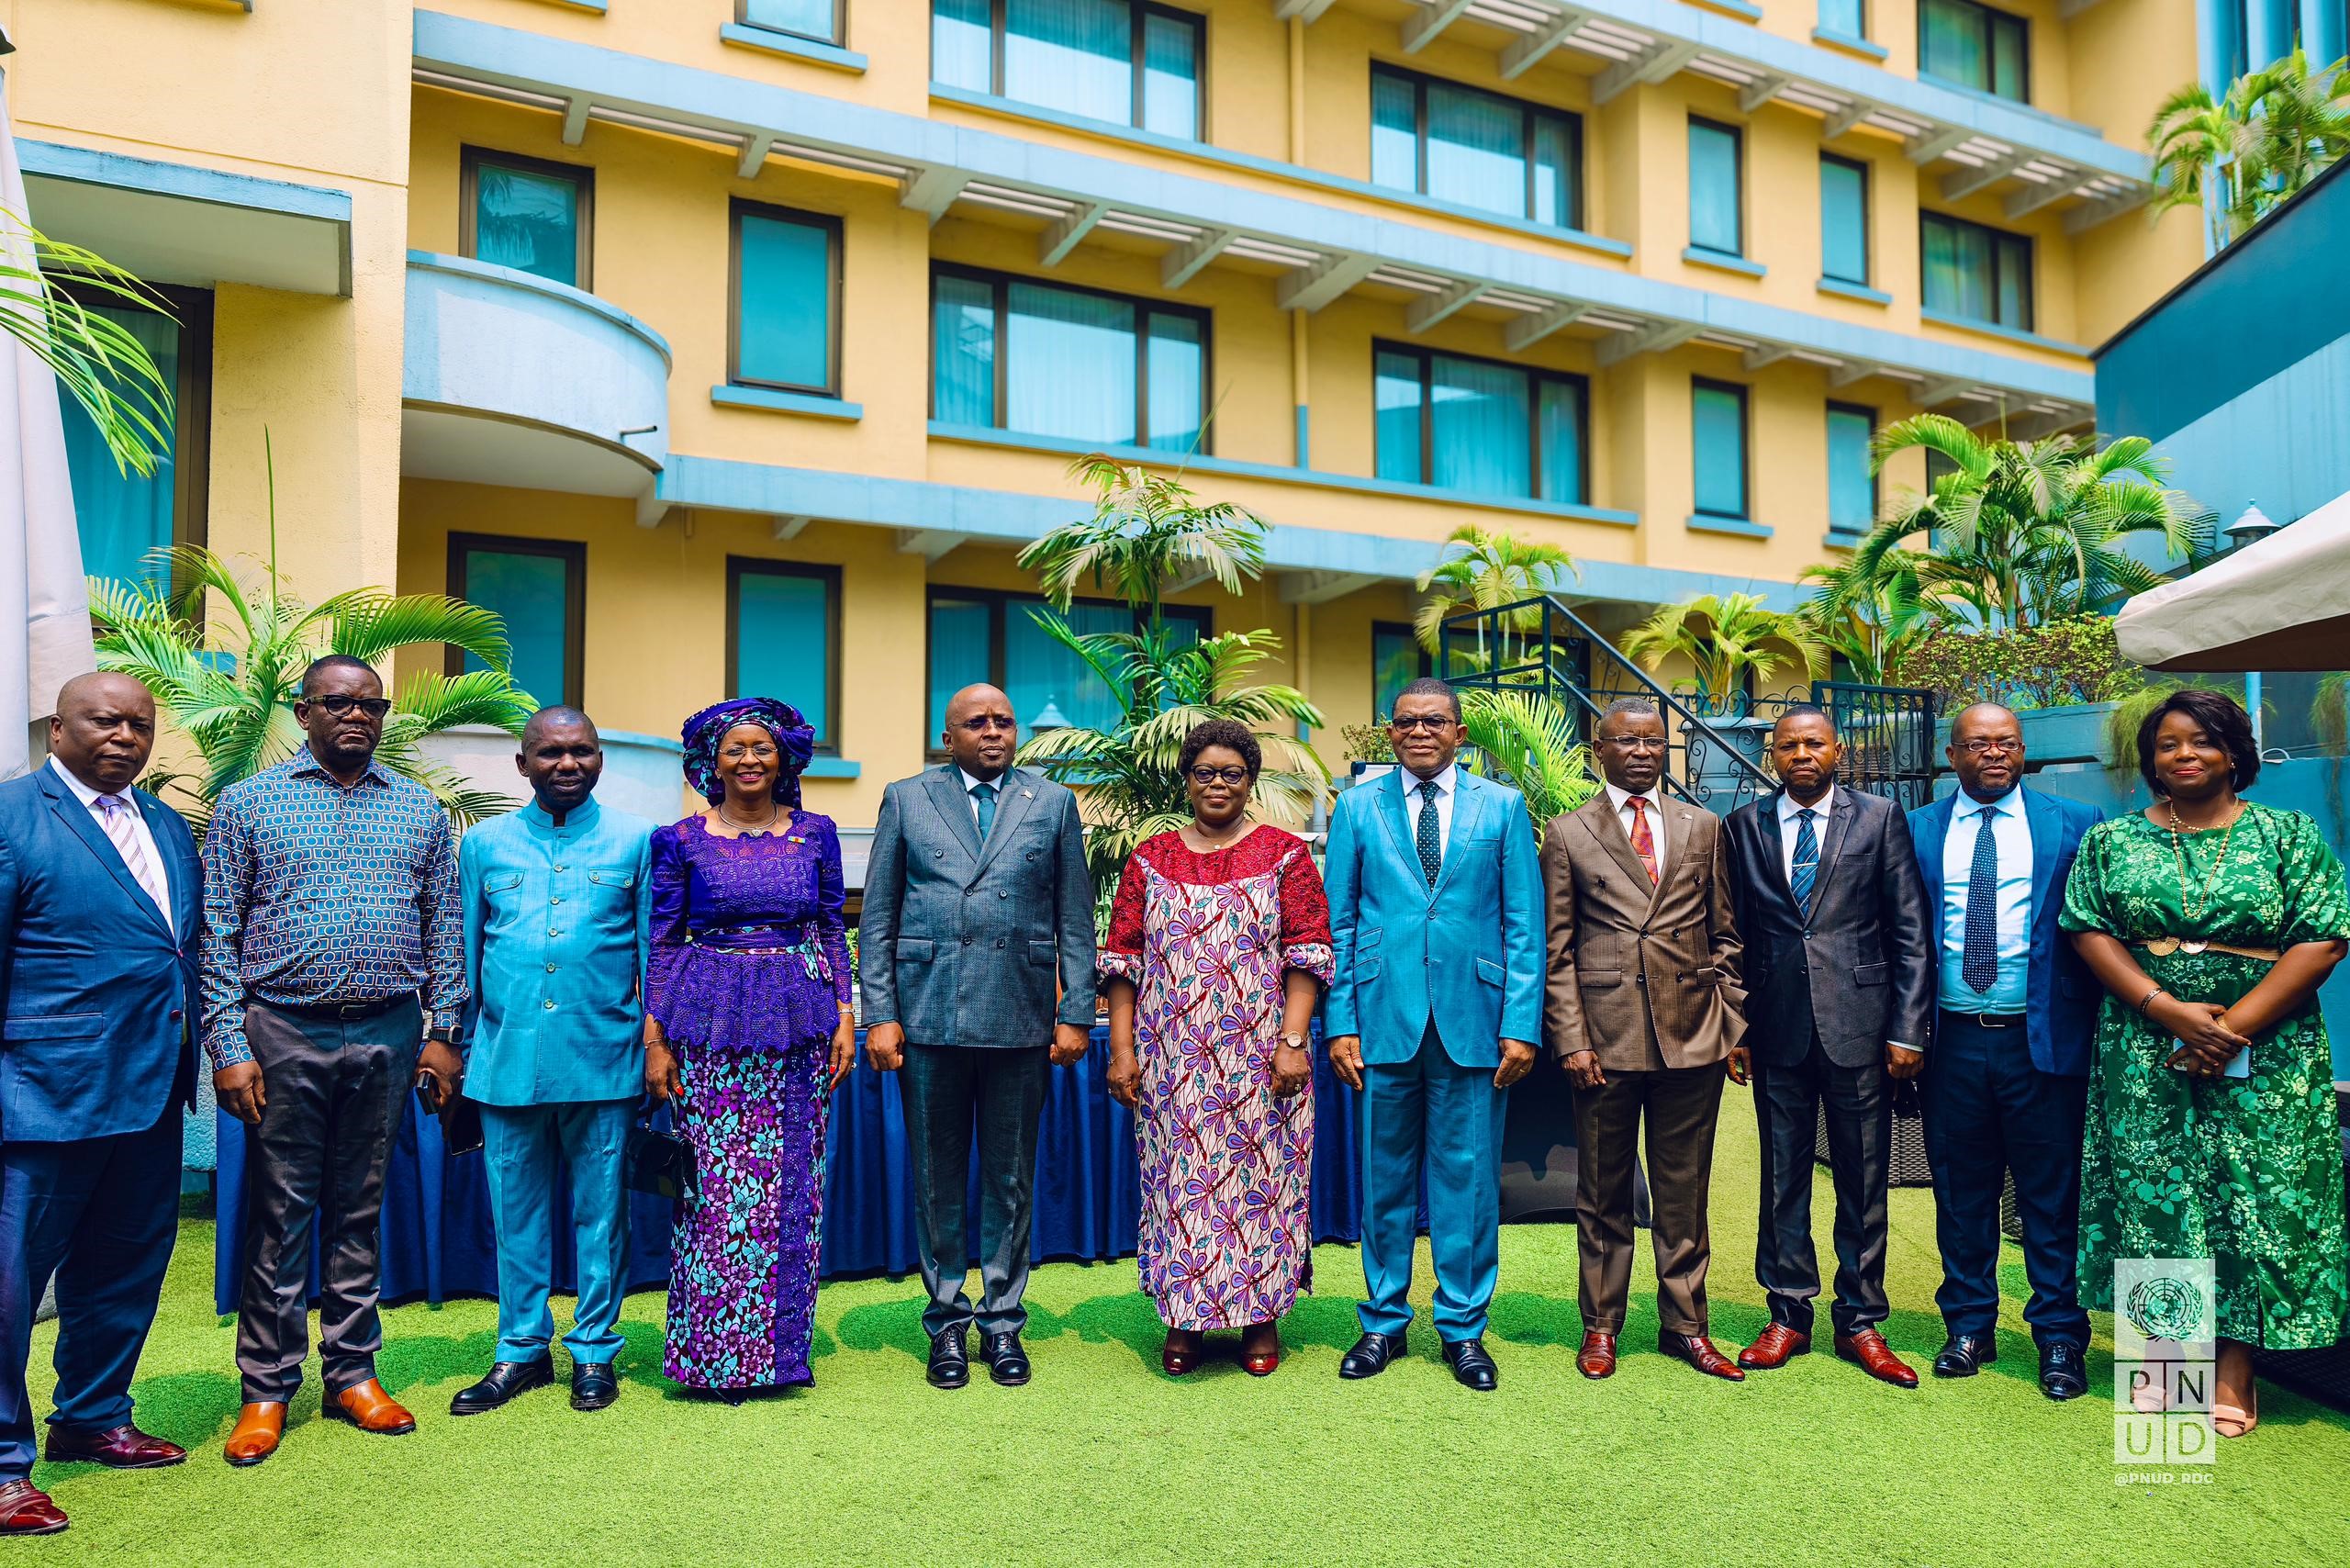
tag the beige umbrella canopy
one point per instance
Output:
(2279, 603)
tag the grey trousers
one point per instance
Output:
(947, 1090)
(335, 1095)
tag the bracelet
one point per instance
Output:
(2144, 1001)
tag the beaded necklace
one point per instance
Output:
(2187, 906)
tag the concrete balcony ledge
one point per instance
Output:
(1739, 527)
(1993, 329)
(513, 380)
(771, 41)
(1723, 261)
(1844, 289)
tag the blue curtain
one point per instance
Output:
(960, 654)
(783, 643)
(1958, 269)
(1482, 435)
(1176, 378)
(1037, 670)
(783, 308)
(1394, 132)
(2010, 63)
(1718, 436)
(1559, 407)
(1396, 396)
(1852, 488)
(121, 517)
(1554, 172)
(1076, 55)
(2014, 293)
(963, 349)
(530, 592)
(808, 18)
(1713, 188)
(1951, 42)
(1476, 150)
(1843, 220)
(962, 50)
(1848, 18)
(528, 221)
(1171, 77)
(1070, 364)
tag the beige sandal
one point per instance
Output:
(2231, 1422)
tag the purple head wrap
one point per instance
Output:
(795, 742)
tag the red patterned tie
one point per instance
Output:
(1643, 841)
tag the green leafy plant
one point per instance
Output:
(1726, 638)
(2245, 154)
(1368, 743)
(1529, 741)
(1869, 619)
(100, 365)
(1148, 530)
(1493, 568)
(2051, 664)
(2131, 709)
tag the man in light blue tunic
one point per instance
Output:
(557, 907)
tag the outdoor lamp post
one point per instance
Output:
(2250, 528)
(1048, 717)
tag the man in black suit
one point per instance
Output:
(1840, 996)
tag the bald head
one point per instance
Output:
(558, 716)
(104, 729)
(981, 733)
(562, 757)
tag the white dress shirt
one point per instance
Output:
(1651, 807)
(1447, 788)
(1788, 827)
(146, 837)
(969, 784)
(2011, 835)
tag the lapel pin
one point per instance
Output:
(1027, 794)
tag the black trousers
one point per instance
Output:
(336, 1092)
(947, 1091)
(1860, 1136)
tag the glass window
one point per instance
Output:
(1477, 425)
(1482, 150)
(538, 587)
(1848, 18)
(1851, 487)
(1107, 59)
(1843, 219)
(1974, 46)
(808, 18)
(1718, 434)
(786, 266)
(980, 635)
(530, 215)
(1713, 187)
(123, 519)
(1396, 660)
(1075, 363)
(783, 638)
(1978, 274)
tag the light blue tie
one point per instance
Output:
(1807, 867)
(985, 795)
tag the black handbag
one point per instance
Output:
(657, 1162)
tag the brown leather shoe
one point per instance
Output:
(366, 1406)
(116, 1447)
(1597, 1356)
(1699, 1352)
(1777, 1347)
(25, 1509)
(1869, 1350)
(258, 1428)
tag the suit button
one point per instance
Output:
(557, 899)
(548, 1005)
(938, 855)
(1002, 894)
(550, 969)
(999, 942)
(966, 941)
(1807, 935)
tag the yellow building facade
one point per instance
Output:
(738, 344)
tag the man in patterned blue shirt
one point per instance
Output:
(332, 950)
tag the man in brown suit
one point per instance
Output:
(1644, 1010)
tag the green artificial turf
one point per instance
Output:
(1103, 1458)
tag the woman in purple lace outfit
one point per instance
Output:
(747, 1031)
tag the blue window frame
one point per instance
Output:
(1043, 359)
(538, 587)
(1482, 150)
(1979, 273)
(785, 300)
(121, 518)
(1108, 59)
(1716, 203)
(1718, 440)
(527, 214)
(1396, 660)
(1974, 46)
(1479, 426)
(979, 635)
(783, 638)
(818, 19)
(1843, 218)
(1852, 485)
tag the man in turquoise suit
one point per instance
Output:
(557, 908)
(1436, 911)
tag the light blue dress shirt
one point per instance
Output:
(556, 921)
(2012, 832)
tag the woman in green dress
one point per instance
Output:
(2212, 921)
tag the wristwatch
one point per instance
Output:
(441, 1035)
(1295, 1042)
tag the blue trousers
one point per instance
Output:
(1989, 1111)
(99, 1214)
(1431, 1111)
(527, 1146)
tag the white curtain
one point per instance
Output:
(1070, 365)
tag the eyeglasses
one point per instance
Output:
(761, 753)
(981, 723)
(1204, 777)
(1986, 748)
(1635, 743)
(1430, 723)
(343, 707)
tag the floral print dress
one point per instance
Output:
(1208, 941)
(2246, 1171)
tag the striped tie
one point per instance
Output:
(1643, 840)
(1807, 867)
(119, 818)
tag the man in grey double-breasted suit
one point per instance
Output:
(978, 908)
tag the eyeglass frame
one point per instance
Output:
(1204, 776)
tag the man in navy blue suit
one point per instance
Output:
(2006, 1082)
(98, 924)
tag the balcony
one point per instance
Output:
(513, 380)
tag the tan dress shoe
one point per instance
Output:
(258, 1428)
(366, 1406)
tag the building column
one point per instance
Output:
(2219, 41)
(2268, 32)
(2323, 31)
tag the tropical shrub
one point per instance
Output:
(1493, 569)
(1726, 639)
(2244, 155)
(2049, 666)
(1529, 741)
(1368, 743)
(100, 365)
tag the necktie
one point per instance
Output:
(1978, 964)
(1431, 845)
(985, 795)
(115, 815)
(1807, 867)
(1643, 841)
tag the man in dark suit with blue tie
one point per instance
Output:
(2006, 1082)
(98, 924)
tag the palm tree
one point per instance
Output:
(1493, 569)
(1868, 619)
(1724, 639)
(2246, 153)
(99, 363)
(1147, 531)
(1529, 742)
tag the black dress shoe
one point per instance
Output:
(1472, 1367)
(1964, 1355)
(950, 1360)
(506, 1380)
(594, 1385)
(1370, 1355)
(1007, 1362)
(2064, 1369)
